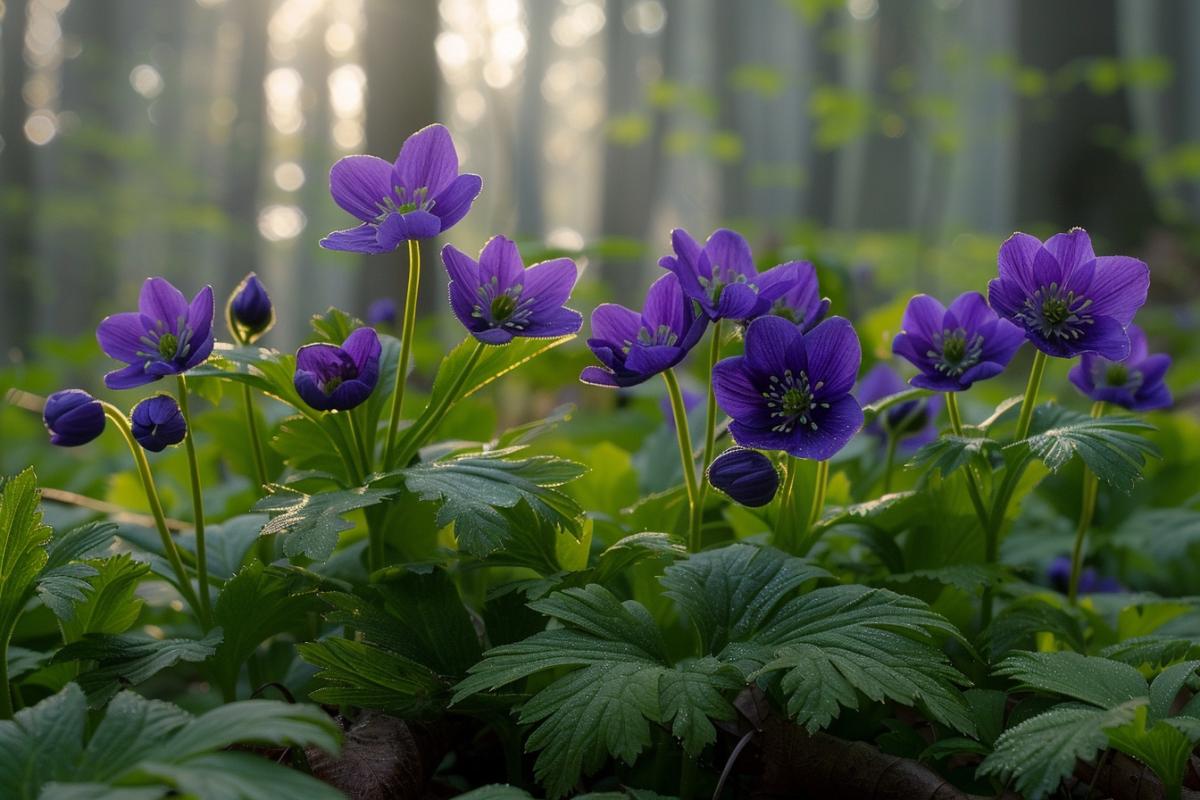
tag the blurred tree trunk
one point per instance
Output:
(246, 144)
(530, 137)
(402, 97)
(17, 190)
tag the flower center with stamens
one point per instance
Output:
(168, 345)
(662, 335)
(954, 353)
(1116, 375)
(417, 201)
(1056, 313)
(792, 400)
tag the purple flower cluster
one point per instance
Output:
(1134, 382)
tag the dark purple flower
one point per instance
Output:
(1135, 382)
(913, 421)
(496, 298)
(722, 278)
(635, 347)
(747, 476)
(791, 391)
(249, 313)
(165, 336)
(954, 347)
(331, 378)
(382, 312)
(802, 303)
(1090, 581)
(417, 197)
(158, 423)
(1066, 299)
(73, 417)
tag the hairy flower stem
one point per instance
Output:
(685, 455)
(710, 425)
(435, 414)
(1031, 392)
(197, 505)
(821, 484)
(160, 519)
(786, 522)
(1087, 508)
(972, 481)
(408, 325)
(266, 547)
(375, 544)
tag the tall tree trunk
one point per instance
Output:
(17, 189)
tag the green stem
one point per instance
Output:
(685, 455)
(360, 444)
(408, 325)
(688, 772)
(1031, 392)
(260, 461)
(160, 519)
(889, 462)
(710, 419)
(435, 415)
(197, 506)
(375, 544)
(786, 523)
(1087, 508)
(818, 502)
(972, 481)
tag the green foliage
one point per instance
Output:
(147, 749)
(23, 554)
(310, 523)
(1109, 446)
(949, 453)
(127, 660)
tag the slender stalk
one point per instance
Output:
(822, 484)
(6, 705)
(1087, 508)
(360, 444)
(375, 543)
(787, 504)
(160, 519)
(710, 418)
(889, 462)
(1031, 392)
(408, 325)
(688, 772)
(972, 481)
(197, 505)
(685, 455)
(448, 399)
(260, 461)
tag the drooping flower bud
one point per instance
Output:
(747, 476)
(158, 423)
(73, 417)
(249, 313)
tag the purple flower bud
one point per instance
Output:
(1090, 581)
(1134, 383)
(914, 422)
(73, 417)
(382, 312)
(747, 476)
(165, 336)
(249, 313)
(332, 378)
(1067, 300)
(158, 423)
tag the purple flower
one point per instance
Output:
(802, 303)
(721, 277)
(1090, 581)
(73, 417)
(418, 197)
(382, 312)
(331, 378)
(165, 336)
(954, 347)
(496, 298)
(791, 391)
(635, 347)
(747, 476)
(158, 423)
(249, 313)
(1135, 382)
(1067, 300)
(913, 421)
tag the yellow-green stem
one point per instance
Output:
(685, 456)
(260, 461)
(375, 543)
(889, 462)
(710, 419)
(787, 504)
(818, 502)
(197, 505)
(972, 481)
(407, 326)
(1031, 392)
(118, 419)
(1087, 508)
(435, 416)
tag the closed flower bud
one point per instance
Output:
(747, 476)
(158, 423)
(249, 313)
(73, 417)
